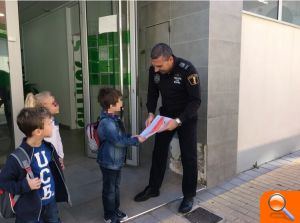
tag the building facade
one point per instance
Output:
(245, 52)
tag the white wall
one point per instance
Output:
(269, 99)
(46, 58)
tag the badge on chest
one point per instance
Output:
(156, 78)
(177, 79)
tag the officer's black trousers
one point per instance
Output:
(187, 134)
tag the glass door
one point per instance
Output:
(11, 86)
(110, 61)
(6, 127)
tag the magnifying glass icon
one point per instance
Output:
(277, 203)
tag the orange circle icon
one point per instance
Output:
(277, 202)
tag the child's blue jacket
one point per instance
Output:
(114, 142)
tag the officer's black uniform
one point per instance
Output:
(180, 93)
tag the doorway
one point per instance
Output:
(110, 60)
(6, 127)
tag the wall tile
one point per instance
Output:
(224, 53)
(222, 128)
(223, 78)
(225, 27)
(156, 12)
(181, 8)
(186, 29)
(222, 103)
(196, 52)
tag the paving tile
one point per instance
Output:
(283, 161)
(217, 191)
(269, 166)
(245, 177)
(162, 213)
(275, 163)
(203, 196)
(237, 181)
(252, 173)
(175, 219)
(227, 185)
(147, 218)
(261, 170)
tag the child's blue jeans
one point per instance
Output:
(111, 191)
(49, 214)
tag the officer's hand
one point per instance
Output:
(172, 125)
(149, 119)
(34, 183)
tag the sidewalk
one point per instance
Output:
(237, 200)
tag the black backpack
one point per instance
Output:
(8, 200)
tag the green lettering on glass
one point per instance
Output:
(79, 85)
(78, 82)
(79, 100)
(78, 75)
(79, 91)
(81, 110)
(80, 123)
(77, 45)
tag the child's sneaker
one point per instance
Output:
(113, 219)
(121, 215)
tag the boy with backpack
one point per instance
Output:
(41, 185)
(112, 152)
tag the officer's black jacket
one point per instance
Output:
(179, 89)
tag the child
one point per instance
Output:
(38, 196)
(45, 99)
(112, 152)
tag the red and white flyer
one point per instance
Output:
(159, 124)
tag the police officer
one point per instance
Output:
(177, 81)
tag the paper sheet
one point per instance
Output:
(107, 24)
(159, 124)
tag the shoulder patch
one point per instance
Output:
(193, 79)
(182, 65)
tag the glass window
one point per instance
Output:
(6, 129)
(268, 8)
(108, 55)
(291, 12)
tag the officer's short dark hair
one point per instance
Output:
(108, 96)
(161, 49)
(30, 119)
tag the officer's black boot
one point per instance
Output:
(186, 205)
(146, 194)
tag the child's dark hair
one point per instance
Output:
(30, 119)
(108, 96)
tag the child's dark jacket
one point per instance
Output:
(13, 179)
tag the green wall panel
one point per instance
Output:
(104, 58)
